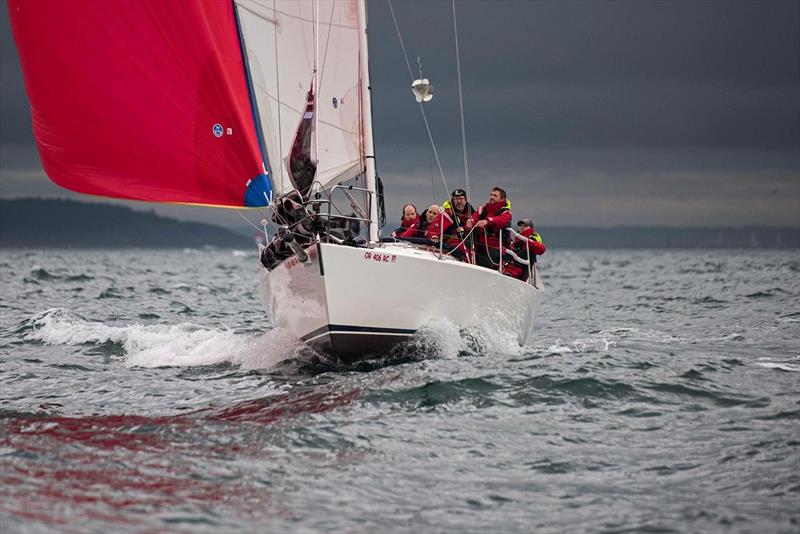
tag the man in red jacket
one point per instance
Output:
(489, 220)
(410, 220)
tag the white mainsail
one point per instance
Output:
(281, 50)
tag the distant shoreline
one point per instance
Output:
(38, 223)
(68, 224)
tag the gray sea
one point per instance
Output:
(146, 391)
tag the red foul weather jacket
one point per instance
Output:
(497, 216)
(441, 222)
(450, 242)
(409, 228)
(535, 246)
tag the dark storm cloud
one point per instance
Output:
(676, 74)
(638, 113)
(738, 42)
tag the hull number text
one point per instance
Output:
(380, 258)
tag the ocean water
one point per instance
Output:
(145, 391)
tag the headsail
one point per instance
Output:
(143, 100)
(279, 38)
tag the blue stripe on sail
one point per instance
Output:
(251, 93)
(258, 192)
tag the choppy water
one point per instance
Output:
(140, 392)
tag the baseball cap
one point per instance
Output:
(526, 222)
(458, 193)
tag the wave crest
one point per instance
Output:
(183, 344)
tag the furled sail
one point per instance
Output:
(281, 46)
(143, 100)
(302, 161)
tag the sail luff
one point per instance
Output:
(265, 165)
(366, 121)
(315, 85)
(281, 166)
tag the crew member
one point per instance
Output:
(439, 223)
(410, 221)
(489, 220)
(534, 243)
(460, 210)
(458, 207)
(535, 247)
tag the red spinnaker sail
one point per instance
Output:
(144, 100)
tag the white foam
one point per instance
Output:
(558, 348)
(443, 339)
(733, 336)
(779, 365)
(640, 334)
(267, 350)
(182, 344)
(782, 365)
(600, 343)
(437, 340)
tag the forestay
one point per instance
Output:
(283, 40)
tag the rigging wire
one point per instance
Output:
(260, 230)
(422, 110)
(433, 145)
(433, 180)
(461, 101)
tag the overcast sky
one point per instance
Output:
(588, 113)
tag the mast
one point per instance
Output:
(366, 122)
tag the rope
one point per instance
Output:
(488, 255)
(461, 102)
(421, 109)
(463, 240)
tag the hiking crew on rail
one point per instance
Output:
(467, 231)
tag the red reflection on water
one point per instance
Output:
(127, 469)
(103, 432)
(272, 409)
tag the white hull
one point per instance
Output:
(360, 301)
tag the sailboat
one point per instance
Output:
(260, 104)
